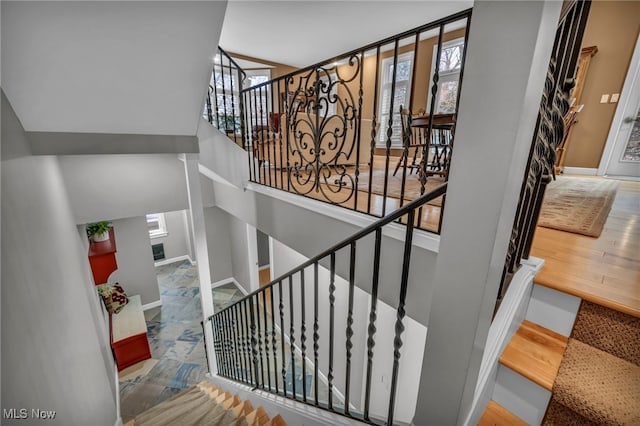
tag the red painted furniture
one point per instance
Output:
(102, 258)
(130, 344)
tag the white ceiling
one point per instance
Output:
(109, 67)
(304, 32)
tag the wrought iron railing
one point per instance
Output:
(261, 340)
(549, 133)
(333, 131)
(223, 105)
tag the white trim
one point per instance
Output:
(230, 280)
(174, 259)
(423, 239)
(580, 171)
(118, 416)
(262, 268)
(623, 103)
(502, 329)
(152, 305)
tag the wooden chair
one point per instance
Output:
(413, 143)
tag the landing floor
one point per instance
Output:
(604, 270)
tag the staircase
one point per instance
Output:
(205, 404)
(575, 359)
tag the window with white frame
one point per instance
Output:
(156, 225)
(259, 101)
(449, 75)
(401, 96)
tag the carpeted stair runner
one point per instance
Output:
(599, 378)
(205, 404)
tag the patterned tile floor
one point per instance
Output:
(175, 337)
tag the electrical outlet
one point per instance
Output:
(604, 99)
(614, 98)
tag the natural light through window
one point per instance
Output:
(449, 75)
(400, 98)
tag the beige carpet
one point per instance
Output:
(394, 185)
(578, 205)
(138, 370)
(599, 378)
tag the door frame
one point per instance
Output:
(633, 75)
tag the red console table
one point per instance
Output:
(102, 258)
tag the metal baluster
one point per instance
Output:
(303, 337)
(206, 355)
(247, 140)
(231, 346)
(264, 115)
(409, 107)
(390, 127)
(280, 130)
(224, 91)
(292, 339)
(266, 337)
(254, 343)
(374, 124)
(332, 300)
(247, 330)
(216, 344)
(225, 344)
(288, 114)
(397, 341)
(243, 342)
(358, 129)
(215, 92)
(271, 120)
(372, 320)
(259, 334)
(274, 342)
(284, 368)
(349, 333)
(432, 111)
(316, 335)
(234, 336)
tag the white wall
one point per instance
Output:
(135, 270)
(177, 242)
(283, 260)
(218, 243)
(298, 227)
(117, 186)
(240, 252)
(55, 354)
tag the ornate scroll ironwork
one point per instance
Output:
(322, 119)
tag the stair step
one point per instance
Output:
(203, 404)
(495, 415)
(599, 386)
(535, 353)
(559, 415)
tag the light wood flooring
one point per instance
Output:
(604, 270)
(377, 204)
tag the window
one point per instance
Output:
(449, 73)
(401, 96)
(259, 100)
(156, 225)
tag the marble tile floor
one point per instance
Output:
(175, 338)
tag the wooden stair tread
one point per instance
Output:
(535, 353)
(496, 415)
(612, 293)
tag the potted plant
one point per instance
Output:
(98, 231)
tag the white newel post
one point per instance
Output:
(509, 47)
(196, 210)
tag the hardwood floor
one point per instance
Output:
(604, 270)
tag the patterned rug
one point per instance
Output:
(412, 186)
(578, 205)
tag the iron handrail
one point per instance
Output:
(430, 26)
(391, 217)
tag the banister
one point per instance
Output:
(413, 205)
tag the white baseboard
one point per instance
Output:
(174, 259)
(262, 268)
(152, 305)
(228, 281)
(118, 422)
(580, 171)
(507, 320)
